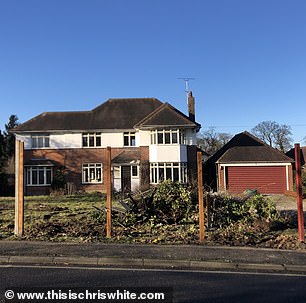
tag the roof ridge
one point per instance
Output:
(126, 99)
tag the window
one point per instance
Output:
(39, 175)
(91, 140)
(134, 169)
(129, 139)
(168, 136)
(40, 141)
(92, 173)
(168, 171)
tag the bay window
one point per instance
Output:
(168, 171)
(168, 136)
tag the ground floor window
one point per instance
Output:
(168, 171)
(92, 173)
(39, 175)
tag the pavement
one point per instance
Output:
(192, 257)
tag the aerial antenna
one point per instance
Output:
(187, 91)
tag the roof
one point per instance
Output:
(247, 154)
(112, 114)
(39, 162)
(127, 156)
(166, 116)
(291, 154)
(246, 148)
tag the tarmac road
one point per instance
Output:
(186, 285)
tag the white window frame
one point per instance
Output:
(166, 137)
(40, 141)
(131, 138)
(94, 137)
(137, 171)
(31, 170)
(159, 171)
(91, 173)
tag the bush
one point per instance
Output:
(167, 203)
(245, 220)
(230, 209)
(172, 202)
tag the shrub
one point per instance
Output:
(245, 220)
(172, 202)
(231, 209)
(167, 203)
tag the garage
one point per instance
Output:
(266, 179)
(246, 162)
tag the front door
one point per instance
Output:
(125, 179)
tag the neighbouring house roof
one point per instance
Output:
(291, 154)
(112, 114)
(246, 148)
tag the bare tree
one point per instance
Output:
(274, 134)
(210, 140)
(265, 130)
(282, 139)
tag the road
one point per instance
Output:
(188, 286)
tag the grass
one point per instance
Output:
(42, 213)
(79, 218)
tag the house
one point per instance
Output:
(150, 141)
(246, 162)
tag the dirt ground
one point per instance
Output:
(284, 203)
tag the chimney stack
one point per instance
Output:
(191, 110)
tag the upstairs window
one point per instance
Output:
(168, 136)
(91, 140)
(40, 141)
(129, 139)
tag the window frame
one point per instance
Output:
(91, 136)
(87, 167)
(134, 169)
(131, 139)
(172, 136)
(35, 141)
(159, 171)
(37, 169)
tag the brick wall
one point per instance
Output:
(73, 159)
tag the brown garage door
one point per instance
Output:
(266, 179)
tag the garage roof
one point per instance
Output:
(244, 147)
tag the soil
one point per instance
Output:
(76, 221)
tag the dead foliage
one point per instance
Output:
(165, 214)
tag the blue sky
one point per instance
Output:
(248, 57)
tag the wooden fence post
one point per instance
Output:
(200, 196)
(19, 189)
(108, 193)
(299, 191)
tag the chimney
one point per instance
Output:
(191, 110)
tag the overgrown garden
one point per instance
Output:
(166, 214)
